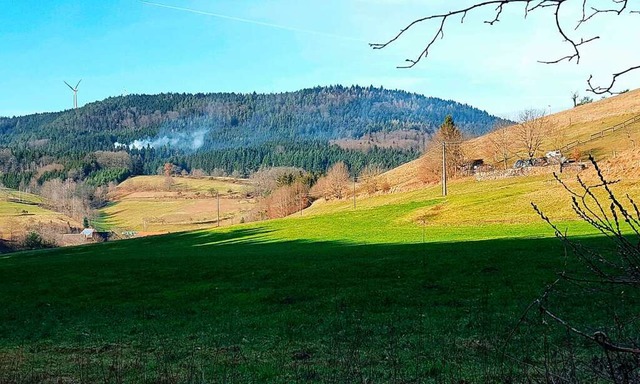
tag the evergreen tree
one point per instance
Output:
(452, 137)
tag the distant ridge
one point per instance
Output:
(322, 112)
(240, 132)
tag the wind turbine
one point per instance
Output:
(75, 93)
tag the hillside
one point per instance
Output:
(229, 132)
(21, 212)
(379, 292)
(228, 120)
(579, 124)
(376, 292)
(145, 204)
(584, 129)
(318, 297)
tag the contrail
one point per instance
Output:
(255, 22)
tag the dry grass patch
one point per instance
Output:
(561, 128)
(20, 211)
(172, 215)
(149, 204)
(225, 185)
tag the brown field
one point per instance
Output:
(225, 185)
(618, 151)
(145, 204)
(20, 212)
(579, 124)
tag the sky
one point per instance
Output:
(130, 46)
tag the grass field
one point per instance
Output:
(406, 287)
(146, 204)
(225, 185)
(19, 210)
(333, 295)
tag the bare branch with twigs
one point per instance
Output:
(620, 222)
(588, 13)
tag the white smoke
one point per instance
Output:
(181, 140)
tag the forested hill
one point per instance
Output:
(225, 125)
(231, 119)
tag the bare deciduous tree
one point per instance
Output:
(584, 10)
(11, 226)
(119, 159)
(286, 200)
(501, 142)
(574, 97)
(369, 178)
(267, 180)
(334, 185)
(337, 180)
(529, 133)
(167, 170)
(198, 173)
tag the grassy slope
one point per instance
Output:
(334, 295)
(143, 203)
(578, 124)
(561, 128)
(19, 210)
(186, 184)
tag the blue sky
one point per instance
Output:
(130, 46)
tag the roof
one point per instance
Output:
(88, 232)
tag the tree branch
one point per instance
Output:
(587, 14)
(598, 337)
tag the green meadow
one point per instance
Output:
(334, 294)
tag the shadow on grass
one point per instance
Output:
(241, 306)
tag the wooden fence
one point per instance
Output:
(598, 135)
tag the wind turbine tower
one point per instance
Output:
(75, 94)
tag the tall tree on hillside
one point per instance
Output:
(337, 180)
(530, 131)
(167, 170)
(451, 137)
(334, 185)
(448, 138)
(501, 143)
(369, 178)
(286, 200)
(574, 97)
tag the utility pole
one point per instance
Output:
(444, 169)
(218, 198)
(301, 196)
(354, 192)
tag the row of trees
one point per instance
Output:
(523, 140)
(286, 190)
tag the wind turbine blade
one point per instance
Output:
(69, 85)
(78, 84)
